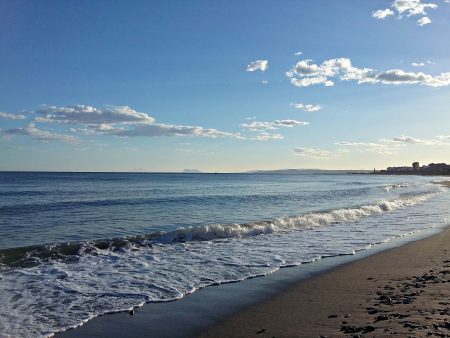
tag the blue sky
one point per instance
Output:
(217, 86)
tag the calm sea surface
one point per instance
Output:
(77, 245)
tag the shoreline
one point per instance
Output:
(401, 292)
(217, 307)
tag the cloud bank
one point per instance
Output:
(305, 73)
(277, 124)
(91, 121)
(7, 116)
(39, 134)
(313, 153)
(81, 114)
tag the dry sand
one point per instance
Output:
(401, 292)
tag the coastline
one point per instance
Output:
(263, 304)
(398, 292)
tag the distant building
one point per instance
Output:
(416, 169)
(399, 170)
(435, 169)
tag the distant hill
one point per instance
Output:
(191, 171)
(308, 171)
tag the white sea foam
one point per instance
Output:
(303, 222)
(395, 186)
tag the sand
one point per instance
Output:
(444, 183)
(404, 291)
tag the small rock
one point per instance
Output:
(131, 312)
(411, 325)
(332, 316)
(381, 317)
(369, 328)
(350, 329)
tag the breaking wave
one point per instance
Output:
(34, 255)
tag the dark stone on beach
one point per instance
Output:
(332, 316)
(411, 325)
(344, 322)
(131, 312)
(381, 317)
(446, 325)
(372, 311)
(368, 328)
(260, 331)
(350, 329)
(385, 300)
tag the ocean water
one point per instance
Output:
(77, 245)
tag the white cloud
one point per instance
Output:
(259, 125)
(39, 134)
(265, 136)
(261, 65)
(8, 116)
(398, 76)
(412, 7)
(444, 138)
(307, 107)
(121, 121)
(298, 53)
(408, 8)
(81, 114)
(314, 153)
(424, 21)
(154, 130)
(382, 13)
(264, 82)
(409, 139)
(391, 146)
(417, 64)
(305, 73)
(382, 147)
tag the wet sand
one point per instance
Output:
(404, 291)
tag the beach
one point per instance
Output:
(399, 292)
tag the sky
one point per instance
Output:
(223, 86)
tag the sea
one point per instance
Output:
(74, 246)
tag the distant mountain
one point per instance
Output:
(191, 171)
(308, 171)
